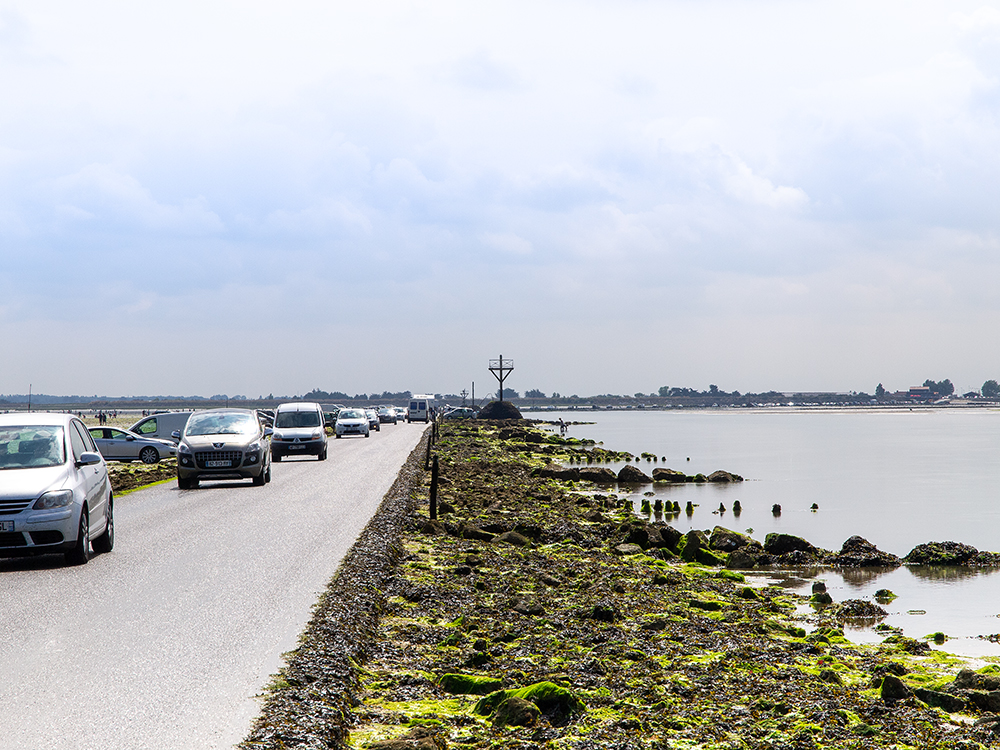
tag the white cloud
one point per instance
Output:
(507, 243)
(741, 182)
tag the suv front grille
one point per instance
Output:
(10, 507)
(235, 458)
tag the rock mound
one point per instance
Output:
(858, 552)
(500, 410)
(633, 475)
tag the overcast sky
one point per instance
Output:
(245, 197)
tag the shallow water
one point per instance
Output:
(897, 478)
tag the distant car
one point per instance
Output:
(352, 422)
(223, 444)
(387, 415)
(460, 412)
(55, 495)
(298, 431)
(373, 420)
(117, 444)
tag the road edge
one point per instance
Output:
(309, 705)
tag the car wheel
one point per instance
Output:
(339, 436)
(322, 454)
(368, 434)
(267, 474)
(149, 455)
(260, 479)
(106, 541)
(276, 457)
(80, 553)
(183, 484)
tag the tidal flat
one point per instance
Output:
(531, 614)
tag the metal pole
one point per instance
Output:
(29, 396)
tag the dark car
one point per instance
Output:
(386, 415)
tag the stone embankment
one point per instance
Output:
(539, 610)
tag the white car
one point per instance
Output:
(55, 495)
(352, 422)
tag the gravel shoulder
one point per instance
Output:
(531, 614)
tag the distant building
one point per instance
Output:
(920, 393)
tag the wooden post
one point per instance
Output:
(434, 489)
(427, 458)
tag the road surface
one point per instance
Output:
(167, 641)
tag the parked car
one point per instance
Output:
(352, 422)
(223, 444)
(373, 420)
(161, 426)
(55, 495)
(116, 444)
(386, 415)
(299, 430)
(460, 412)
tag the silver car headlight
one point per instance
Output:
(253, 448)
(317, 435)
(54, 499)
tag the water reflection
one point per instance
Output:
(862, 577)
(949, 573)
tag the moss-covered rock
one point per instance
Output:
(549, 697)
(467, 684)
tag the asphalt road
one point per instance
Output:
(167, 641)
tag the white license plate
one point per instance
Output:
(6, 525)
(297, 447)
(218, 464)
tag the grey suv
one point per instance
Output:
(223, 444)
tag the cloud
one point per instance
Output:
(480, 71)
(101, 191)
(507, 243)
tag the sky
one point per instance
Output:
(250, 198)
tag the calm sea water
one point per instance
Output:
(897, 478)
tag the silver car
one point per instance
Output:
(223, 444)
(117, 444)
(55, 495)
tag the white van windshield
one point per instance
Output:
(290, 419)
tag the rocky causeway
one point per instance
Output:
(538, 610)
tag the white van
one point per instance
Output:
(162, 425)
(420, 408)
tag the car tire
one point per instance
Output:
(80, 554)
(339, 436)
(368, 434)
(106, 541)
(149, 455)
(260, 480)
(183, 484)
(276, 457)
(322, 454)
(267, 474)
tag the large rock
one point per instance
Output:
(858, 552)
(967, 679)
(695, 542)
(894, 689)
(941, 553)
(724, 477)
(748, 557)
(946, 701)
(419, 738)
(782, 544)
(727, 540)
(597, 475)
(555, 471)
(633, 475)
(516, 712)
(499, 410)
(669, 475)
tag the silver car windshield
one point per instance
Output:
(289, 419)
(221, 424)
(350, 414)
(31, 446)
